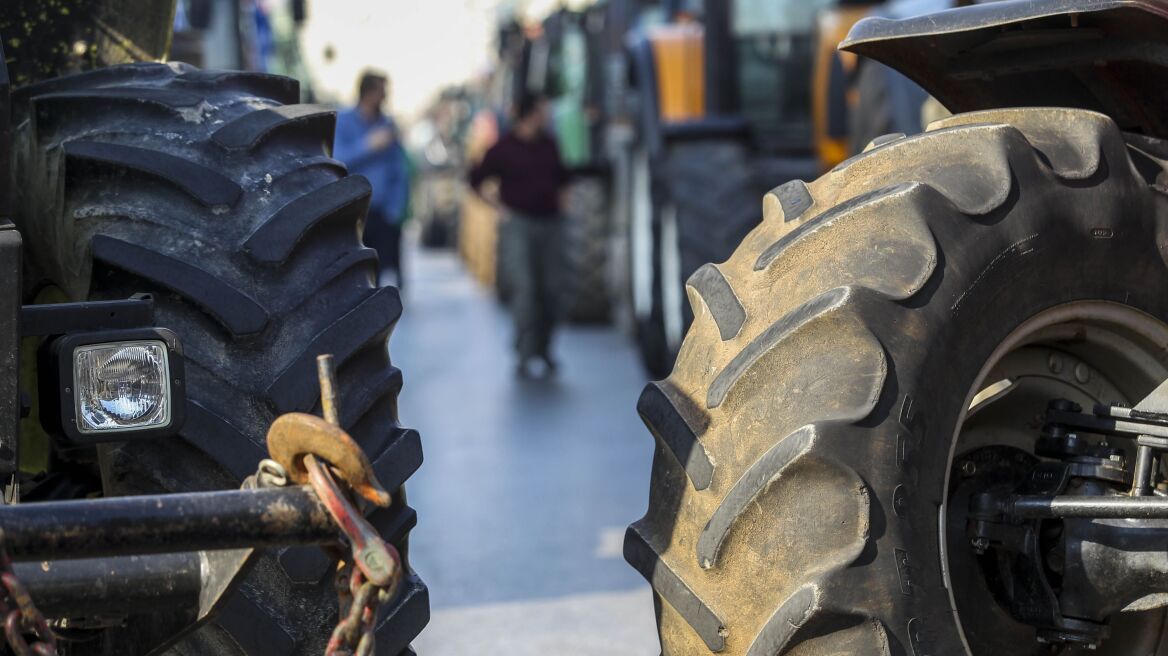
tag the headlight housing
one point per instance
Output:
(121, 386)
(114, 385)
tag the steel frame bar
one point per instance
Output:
(167, 523)
(1118, 507)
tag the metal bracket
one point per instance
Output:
(63, 318)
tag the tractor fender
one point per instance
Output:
(1109, 56)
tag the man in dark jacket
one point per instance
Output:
(367, 142)
(532, 180)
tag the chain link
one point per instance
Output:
(358, 598)
(21, 616)
(270, 474)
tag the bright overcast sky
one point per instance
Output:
(424, 45)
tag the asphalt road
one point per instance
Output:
(527, 486)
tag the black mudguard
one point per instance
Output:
(1109, 56)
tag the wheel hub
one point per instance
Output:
(1020, 570)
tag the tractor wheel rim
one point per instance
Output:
(1090, 350)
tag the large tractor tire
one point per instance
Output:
(819, 414)
(437, 193)
(704, 201)
(713, 186)
(644, 253)
(215, 193)
(586, 250)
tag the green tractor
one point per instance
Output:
(562, 59)
(177, 247)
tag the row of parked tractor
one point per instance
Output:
(674, 118)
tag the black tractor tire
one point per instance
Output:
(872, 117)
(214, 192)
(435, 232)
(437, 214)
(706, 195)
(653, 345)
(586, 250)
(713, 184)
(803, 437)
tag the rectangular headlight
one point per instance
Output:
(121, 386)
(113, 385)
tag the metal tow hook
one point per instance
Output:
(304, 443)
(311, 449)
(376, 559)
(296, 435)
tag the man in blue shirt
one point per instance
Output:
(367, 142)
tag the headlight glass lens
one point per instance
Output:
(121, 386)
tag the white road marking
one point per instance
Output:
(595, 624)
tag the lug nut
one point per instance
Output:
(1082, 373)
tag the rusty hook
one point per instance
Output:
(296, 434)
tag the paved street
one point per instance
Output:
(527, 486)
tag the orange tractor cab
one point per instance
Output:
(728, 99)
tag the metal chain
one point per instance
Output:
(269, 473)
(359, 603)
(358, 598)
(21, 616)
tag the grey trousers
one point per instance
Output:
(533, 264)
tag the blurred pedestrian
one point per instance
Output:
(367, 142)
(532, 180)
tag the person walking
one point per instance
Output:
(532, 180)
(367, 142)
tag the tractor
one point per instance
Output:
(177, 248)
(724, 100)
(923, 407)
(561, 59)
